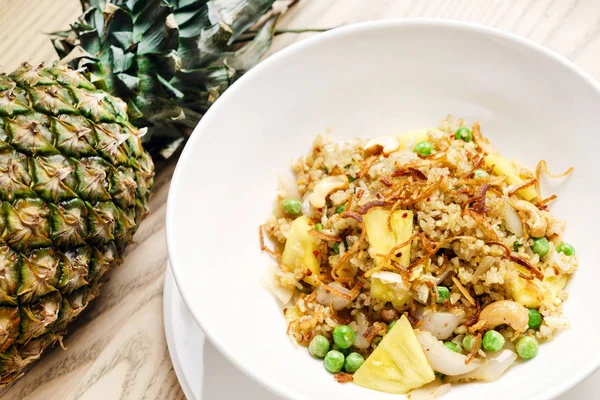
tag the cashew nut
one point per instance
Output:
(535, 219)
(387, 143)
(506, 312)
(555, 229)
(325, 187)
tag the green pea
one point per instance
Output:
(336, 248)
(390, 326)
(516, 246)
(540, 246)
(334, 361)
(535, 318)
(340, 209)
(493, 341)
(423, 148)
(442, 294)
(319, 346)
(319, 228)
(293, 207)
(479, 173)
(527, 347)
(566, 249)
(468, 342)
(343, 336)
(376, 341)
(353, 362)
(453, 346)
(464, 133)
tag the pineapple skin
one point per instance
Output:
(74, 185)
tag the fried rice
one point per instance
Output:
(385, 227)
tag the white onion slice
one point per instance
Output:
(485, 264)
(387, 276)
(439, 279)
(422, 294)
(326, 298)
(287, 186)
(494, 366)
(306, 207)
(268, 282)
(440, 324)
(431, 391)
(512, 221)
(554, 259)
(442, 359)
(360, 327)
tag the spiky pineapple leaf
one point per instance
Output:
(172, 90)
(184, 3)
(124, 39)
(191, 23)
(121, 61)
(169, 60)
(154, 30)
(238, 15)
(130, 82)
(248, 56)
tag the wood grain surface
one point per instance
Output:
(117, 349)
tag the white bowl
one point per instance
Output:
(365, 80)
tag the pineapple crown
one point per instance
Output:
(168, 60)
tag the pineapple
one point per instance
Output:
(531, 293)
(74, 185)
(382, 240)
(168, 60)
(398, 364)
(74, 177)
(528, 293)
(501, 166)
(409, 139)
(390, 287)
(301, 250)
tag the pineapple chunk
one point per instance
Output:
(527, 293)
(380, 237)
(381, 291)
(347, 271)
(401, 301)
(414, 137)
(397, 365)
(385, 292)
(531, 293)
(302, 249)
(557, 283)
(501, 166)
(382, 241)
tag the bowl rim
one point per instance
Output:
(436, 23)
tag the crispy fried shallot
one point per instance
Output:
(264, 247)
(324, 236)
(348, 254)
